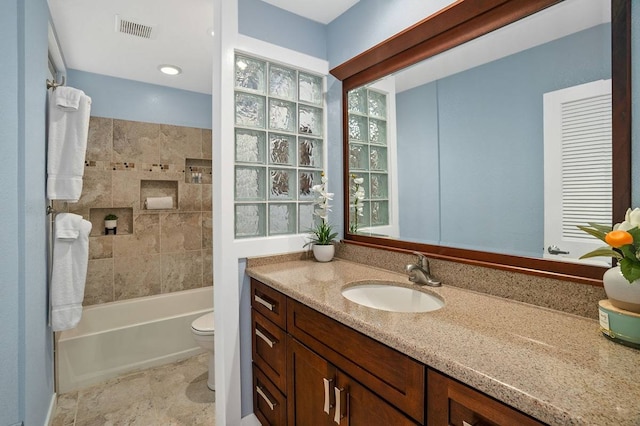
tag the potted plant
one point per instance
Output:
(110, 221)
(321, 236)
(622, 282)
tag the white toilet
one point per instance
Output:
(203, 332)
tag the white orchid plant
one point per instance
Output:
(322, 234)
(357, 202)
(623, 243)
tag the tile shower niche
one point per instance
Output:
(197, 171)
(125, 220)
(158, 188)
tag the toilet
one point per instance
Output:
(203, 332)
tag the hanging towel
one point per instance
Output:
(69, 271)
(155, 203)
(69, 111)
(67, 98)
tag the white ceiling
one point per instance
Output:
(181, 36)
(86, 32)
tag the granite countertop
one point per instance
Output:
(554, 366)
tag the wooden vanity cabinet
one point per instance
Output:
(449, 402)
(321, 394)
(393, 376)
(307, 367)
(268, 348)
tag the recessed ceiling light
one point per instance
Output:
(211, 32)
(170, 69)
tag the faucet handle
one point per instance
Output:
(421, 258)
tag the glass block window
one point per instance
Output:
(368, 156)
(279, 147)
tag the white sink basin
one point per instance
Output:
(390, 297)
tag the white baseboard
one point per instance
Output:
(250, 420)
(52, 410)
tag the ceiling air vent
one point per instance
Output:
(128, 26)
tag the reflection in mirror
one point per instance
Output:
(471, 134)
(502, 144)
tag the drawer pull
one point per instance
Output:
(263, 302)
(264, 337)
(328, 397)
(264, 396)
(340, 405)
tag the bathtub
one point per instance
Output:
(120, 337)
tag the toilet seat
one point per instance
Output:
(203, 326)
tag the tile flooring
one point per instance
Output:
(172, 394)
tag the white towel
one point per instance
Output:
(69, 271)
(156, 203)
(68, 131)
(67, 97)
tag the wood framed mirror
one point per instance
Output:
(468, 20)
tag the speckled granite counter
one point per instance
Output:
(554, 366)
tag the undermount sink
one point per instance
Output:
(392, 297)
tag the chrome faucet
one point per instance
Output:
(420, 273)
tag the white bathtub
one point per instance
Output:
(119, 337)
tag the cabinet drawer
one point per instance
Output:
(452, 403)
(269, 404)
(270, 303)
(394, 376)
(269, 349)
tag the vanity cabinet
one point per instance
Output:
(321, 394)
(269, 339)
(309, 369)
(449, 402)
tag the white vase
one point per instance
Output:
(110, 224)
(621, 293)
(323, 253)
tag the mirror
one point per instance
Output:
(420, 123)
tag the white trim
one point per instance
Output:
(55, 53)
(227, 251)
(276, 53)
(52, 410)
(250, 420)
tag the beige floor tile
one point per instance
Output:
(173, 394)
(116, 395)
(139, 413)
(66, 409)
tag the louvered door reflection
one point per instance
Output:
(578, 168)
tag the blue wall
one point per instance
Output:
(496, 108)
(136, 101)
(26, 365)
(418, 152)
(11, 351)
(277, 26)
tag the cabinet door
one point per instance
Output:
(310, 386)
(358, 406)
(452, 403)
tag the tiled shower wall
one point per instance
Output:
(155, 251)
